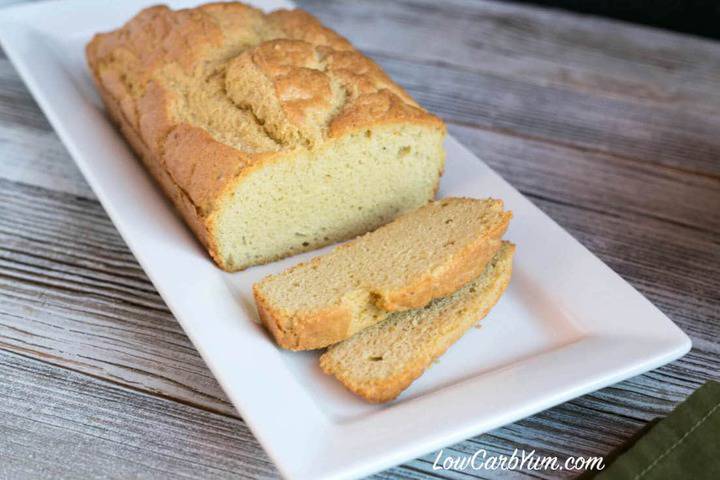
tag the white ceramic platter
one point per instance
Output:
(566, 326)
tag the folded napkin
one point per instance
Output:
(684, 445)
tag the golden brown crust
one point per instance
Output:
(388, 388)
(241, 84)
(181, 201)
(459, 269)
(380, 391)
(318, 331)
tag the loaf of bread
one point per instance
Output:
(422, 255)
(270, 133)
(383, 360)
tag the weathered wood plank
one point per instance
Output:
(55, 423)
(686, 140)
(540, 45)
(515, 68)
(99, 274)
(37, 157)
(97, 427)
(17, 107)
(101, 315)
(74, 293)
(547, 111)
(30, 151)
(49, 166)
(596, 181)
(86, 321)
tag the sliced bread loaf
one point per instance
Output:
(269, 132)
(383, 360)
(425, 254)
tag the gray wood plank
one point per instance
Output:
(546, 75)
(470, 89)
(57, 424)
(597, 181)
(92, 288)
(17, 107)
(686, 140)
(32, 154)
(90, 324)
(36, 157)
(30, 151)
(540, 45)
(98, 429)
(73, 292)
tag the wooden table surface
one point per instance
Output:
(612, 129)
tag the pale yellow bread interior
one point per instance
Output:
(310, 198)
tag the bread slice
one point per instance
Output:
(383, 360)
(422, 255)
(269, 132)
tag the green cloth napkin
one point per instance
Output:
(684, 445)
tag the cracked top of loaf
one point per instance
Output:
(212, 89)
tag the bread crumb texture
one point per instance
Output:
(270, 133)
(380, 362)
(422, 255)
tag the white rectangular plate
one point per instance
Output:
(566, 326)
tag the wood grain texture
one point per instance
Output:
(595, 84)
(30, 151)
(101, 315)
(609, 128)
(55, 423)
(542, 46)
(598, 181)
(104, 334)
(98, 312)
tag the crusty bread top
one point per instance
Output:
(421, 255)
(214, 89)
(383, 360)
